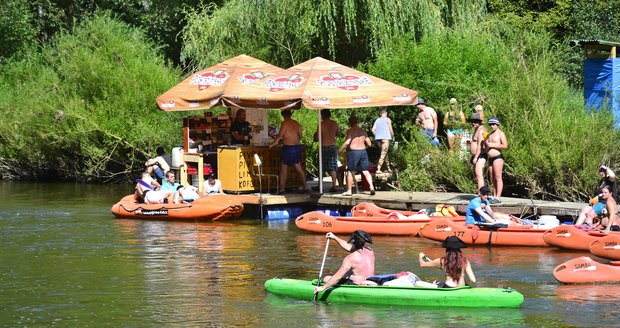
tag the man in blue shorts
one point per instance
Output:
(290, 134)
(479, 209)
(357, 158)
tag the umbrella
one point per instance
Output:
(323, 84)
(205, 88)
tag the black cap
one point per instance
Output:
(360, 236)
(453, 242)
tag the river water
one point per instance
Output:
(65, 261)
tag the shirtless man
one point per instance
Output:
(496, 143)
(329, 131)
(427, 119)
(478, 149)
(357, 158)
(357, 266)
(290, 134)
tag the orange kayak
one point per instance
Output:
(519, 235)
(585, 270)
(607, 247)
(372, 210)
(392, 224)
(212, 207)
(571, 237)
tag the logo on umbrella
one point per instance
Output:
(252, 77)
(208, 79)
(343, 81)
(292, 81)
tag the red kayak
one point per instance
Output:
(372, 210)
(514, 235)
(571, 237)
(212, 207)
(607, 247)
(392, 224)
(585, 270)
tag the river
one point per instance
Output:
(65, 261)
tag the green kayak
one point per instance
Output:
(391, 295)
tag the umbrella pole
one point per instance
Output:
(318, 111)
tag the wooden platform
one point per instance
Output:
(416, 200)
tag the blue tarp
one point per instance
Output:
(602, 85)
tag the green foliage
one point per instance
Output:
(84, 107)
(286, 32)
(17, 33)
(554, 146)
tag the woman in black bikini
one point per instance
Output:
(496, 142)
(454, 264)
(478, 149)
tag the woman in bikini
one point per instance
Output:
(478, 149)
(454, 264)
(495, 143)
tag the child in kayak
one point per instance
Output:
(454, 264)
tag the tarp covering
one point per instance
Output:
(204, 89)
(602, 85)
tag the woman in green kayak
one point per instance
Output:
(454, 264)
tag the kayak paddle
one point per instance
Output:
(318, 282)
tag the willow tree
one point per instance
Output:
(286, 32)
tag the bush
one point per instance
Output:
(84, 107)
(554, 145)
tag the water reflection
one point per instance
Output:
(587, 294)
(67, 262)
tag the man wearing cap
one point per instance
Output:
(427, 119)
(453, 122)
(479, 209)
(357, 266)
(480, 111)
(477, 148)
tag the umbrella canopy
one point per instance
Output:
(204, 89)
(320, 83)
(331, 85)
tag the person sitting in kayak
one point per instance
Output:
(357, 266)
(145, 183)
(158, 196)
(597, 204)
(610, 219)
(454, 264)
(479, 210)
(187, 194)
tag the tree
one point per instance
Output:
(286, 32)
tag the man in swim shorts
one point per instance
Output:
(357, 158)
(290, 134)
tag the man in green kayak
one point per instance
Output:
(357, 266)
